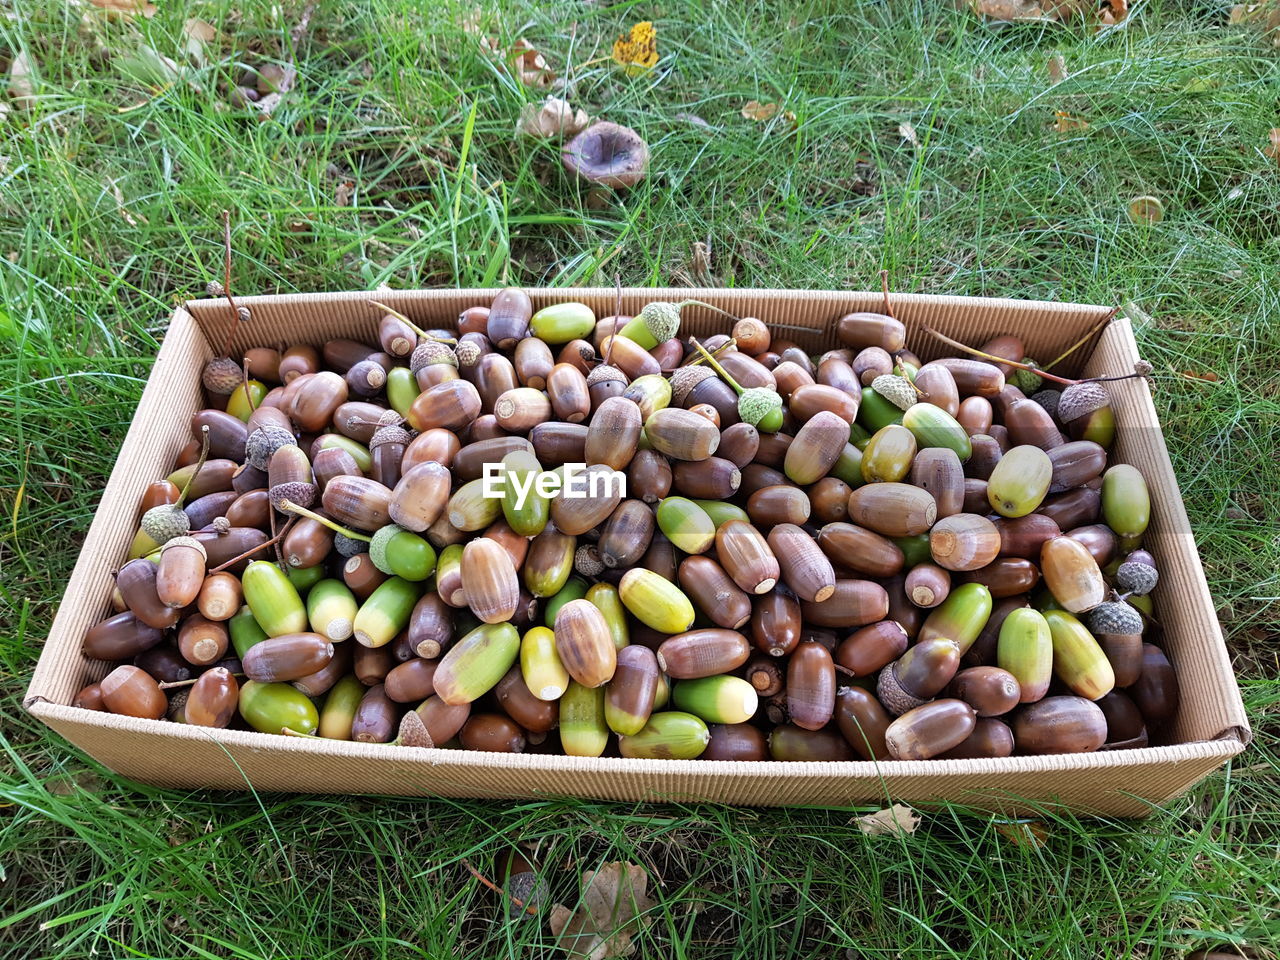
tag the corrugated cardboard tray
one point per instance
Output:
(1210, 728)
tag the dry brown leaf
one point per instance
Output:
(763, 112)
(1113, 12)
(22, 85)
(1273, 151)
(530, 66)
(614, 907)
(1011, 10)
(908, 133)
(1032, 834)
(1066, 123)
(342, 195)
(552, 117)
(1146, 209)
(1208, 376)
(125, 9)
(197, 35)
(132, 219)
(895, 821)
(1057, 68)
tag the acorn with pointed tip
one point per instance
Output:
(897, 390)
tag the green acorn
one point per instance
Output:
(656, 323)
(1027, 380)
(897, 390)
(759, 406)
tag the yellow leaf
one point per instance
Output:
(126, 9)
(1273, 151)
(1065, 123)
(755, 110)
(637, 52)
(897, 820)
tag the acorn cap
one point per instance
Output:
(185, 542)
(1115, 618)
(1026, 380)
(685, 379)
(586, 560)
(756, 403)
(428, 352)
(164, 522)
(896, 390)
(378, 546)
(1048, 399)
(265, 441)
(221, 526)
(389, 434)
(221, 376)
(346, 547)
(1134, 576)
(890, 693)
(295, 491)
(661, 319)
(1080, 400)
(467, 353)
(605, 372)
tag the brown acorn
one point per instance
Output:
(569, 393)
(712, 591)
(805, 568)
(555, 444)
(492, 733)
(489, 581)
(1126, 727)
(928, 585)
(202, 641)
(681, 434)
(775, 623)
(509, 316)
(789, 742)
(136, 581)
(780, 503)
(711, 479)
(1071, 574)
(451, 405)
(289, 478)
(862, 722)
(357, 502)
(964, 541)
(213, 700)
(1156, 690)
(584, 643)
(180, 573)
(89, 697)
(430, 630)
(991, 738)
(735, 741)
(860, 550)
(533, 362)
(829, 500)
(930, 729)
(419, 498)
(517, 700)
(287, 657)
(811, 686)
(431, 446)
(1075, 508)
(859, 330)
(1060, 725)
(746, 557)
(852, 603)
(809, 400)
(375, 719)
(893, 509)
(938, 470)
(469, 463)
(131, 692)
(253, 508)
(989, 690)
(1024, 536)
(630, 697)
(702, 653)
(626, 534)
(574, 514)
(918, 675)
(120, 637)
(649, 476)
(865, 651)
(975, 415)
(790, 377)
(441, 720)
(816, 447)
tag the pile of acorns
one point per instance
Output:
(816, 558)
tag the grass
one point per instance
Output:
(397, 100)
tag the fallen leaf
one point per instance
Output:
(148, 67)
(1273, 151)
(1012, 11)
(22, 86)
(1031, 834)
(908, 133)
(1146, 209)
(552, 117)
(755, 110)
(125, 9)
(197, 35)
(613, 908)
(1208, 376)
(531, 67)
(1065, 123)
(895, 821)
(1113, 12)
(692, 119)
(342, 195)
(637, 52)
(276, 78)
(1057, 67)
(129, 218)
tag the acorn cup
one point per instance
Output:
(287, 657)
(131, 692)
(629, 698)
(711, 589)
(746, 556)
(930, 729)
(918, 675)
(702, 653)
(1060, 725)
(893, 509)
(626, 534)
(811, 686)
(489, 581)
(805, 568)
(964, 541)
(584, 644)
(1071, 574)
(816, 447)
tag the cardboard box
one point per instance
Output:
(1211, 726)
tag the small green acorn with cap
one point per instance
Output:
(758, 406)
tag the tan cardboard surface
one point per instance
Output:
(1211, 725)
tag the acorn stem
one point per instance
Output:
(252, 550)
(974, 351)
(412, 326)
(174, 684)
(244, 371)
(1085, 339)
(204, 455)
(288, 506)
(884, 289)
(702, 303)
(290, 732)
(715, 365)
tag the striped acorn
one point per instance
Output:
(626, 534)
(893, 509)
(1078, 660)
(583, 729)
(614, 433)
(549, 562)
(357, 502)
(575, 513)
(655, 602)
(474, 665)
(470, 510)
(705, 583)
(181, 570)
(702, 653)
(629, 699)
(584, 643)
(805, 568)
(681, 434)
(287, 657)
(510, 315)
(964, 541)
(419, 498)
(1060, 725)
(670, 735)
(816, 447)
(489, 581)
(745, 555)
(930, 729)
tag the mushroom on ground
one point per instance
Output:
(607, 154)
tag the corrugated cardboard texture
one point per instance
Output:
(1211, 726)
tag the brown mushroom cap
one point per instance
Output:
(608, 154)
